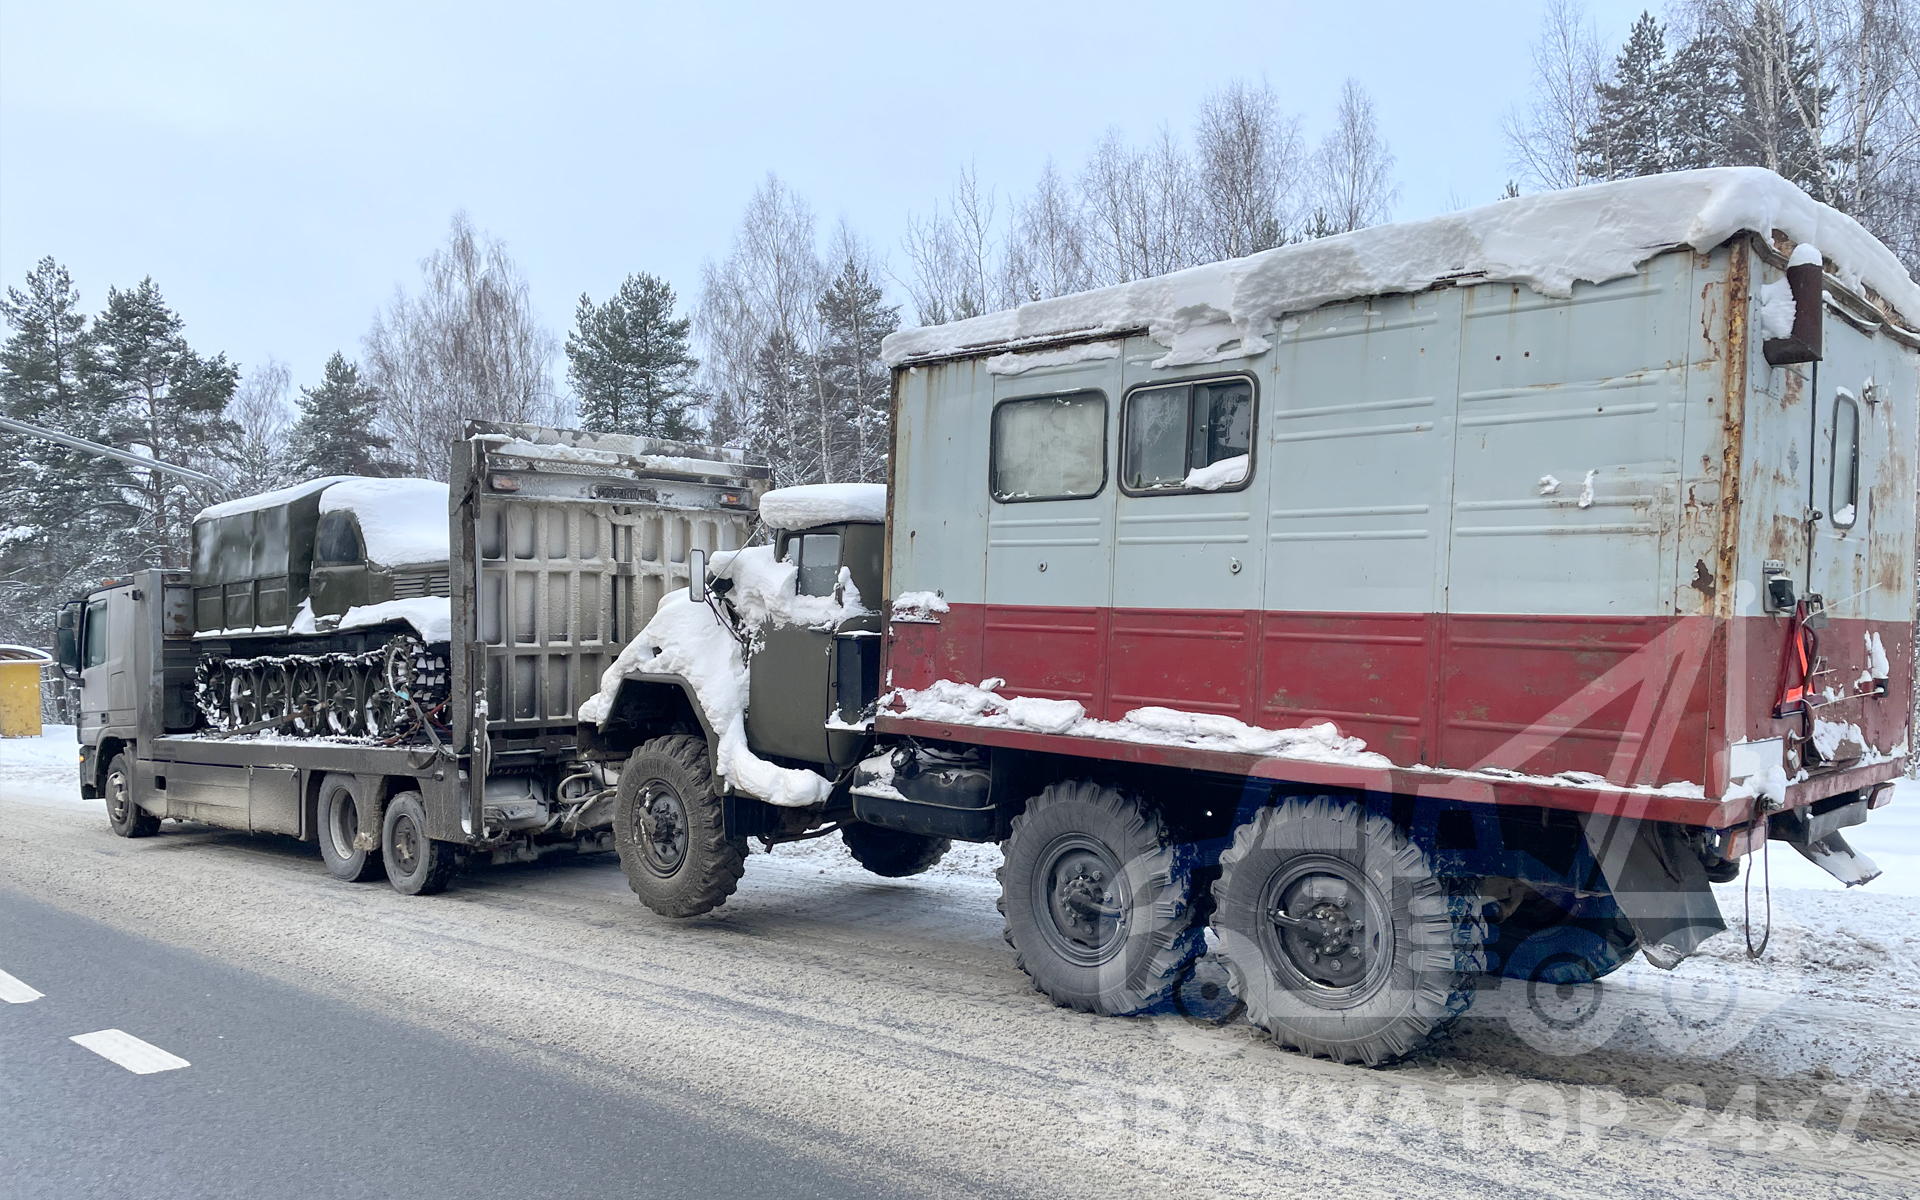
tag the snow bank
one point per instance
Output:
(1548, 242)
(687, 639)
(1214, 476)
(823, 504)
(1017, 364)
(403, 521)
(964, 703)
(273, 499)
(430, 616)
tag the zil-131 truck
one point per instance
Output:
(1380, 613)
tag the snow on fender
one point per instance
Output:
(686, 639)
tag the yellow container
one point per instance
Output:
(20, 690)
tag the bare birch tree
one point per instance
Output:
(1354, 167)
(264, 416)
(1046, 251)
(1249, 171)
(1543, 140)
(469, 346)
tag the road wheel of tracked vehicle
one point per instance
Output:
(243, 692)
(1097, 905)
(128, 819)
(340, 694)
(1338, 935)
(416, 864)
(671, 829)
(304, 694)
(339, 822)
(893, 853)
(215, 694)
(275, 692)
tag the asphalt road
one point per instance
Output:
(534, 1031)
(288, 1093)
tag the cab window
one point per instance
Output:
(1188, 436)
(336, 540)
(819, 560)
(96, 634)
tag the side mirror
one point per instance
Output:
(66, 637)
(697, 577)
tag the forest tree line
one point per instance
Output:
(778, 352)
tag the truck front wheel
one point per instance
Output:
(893, 853)
(1339, 936)
(671, 829)
(1097, 905)
(128, 819)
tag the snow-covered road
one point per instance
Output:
(883, 1023)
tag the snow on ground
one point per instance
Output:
(1548, 241)
(404, 521)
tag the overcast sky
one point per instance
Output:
(279, 173)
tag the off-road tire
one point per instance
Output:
(675, 873)
(893, 853)
(1414, 979)
(338, 823)
(127, 818)
(416, 864)
(1068, 833)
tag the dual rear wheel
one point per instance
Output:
(412, 861)
(1337, 934)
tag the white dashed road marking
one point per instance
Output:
(130, 1052)
(15, 992)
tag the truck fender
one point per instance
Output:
(652, 700)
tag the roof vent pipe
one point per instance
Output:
(1806, 277)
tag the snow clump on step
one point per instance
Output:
(403, 521)
(823, 504)
(1549, 242)
(919, 606)
(968, 704)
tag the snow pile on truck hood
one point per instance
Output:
(968, 704)
(764, 590)
(688, 640)
(823, 504)
(404, 521)
(1548, 242)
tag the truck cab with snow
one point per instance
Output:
(391, 667)
(1399, 612)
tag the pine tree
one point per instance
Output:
(628, 359)
(166, 400)
(1703, 102)
(783, 432)
(335, 432)
(63, 512)
(1781, 124)
(859, 385)
(1629, 134)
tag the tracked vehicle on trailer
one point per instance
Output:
(391, 668)
(1433, 603)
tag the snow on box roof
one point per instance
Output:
(285, 495)
(1548, 242)
(823, 504)
(403, 521)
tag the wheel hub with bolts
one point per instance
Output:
(663, 828)
(1325, 926)
(1084, 917)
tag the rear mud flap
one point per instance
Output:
(1659, 883)
(1832, 855)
